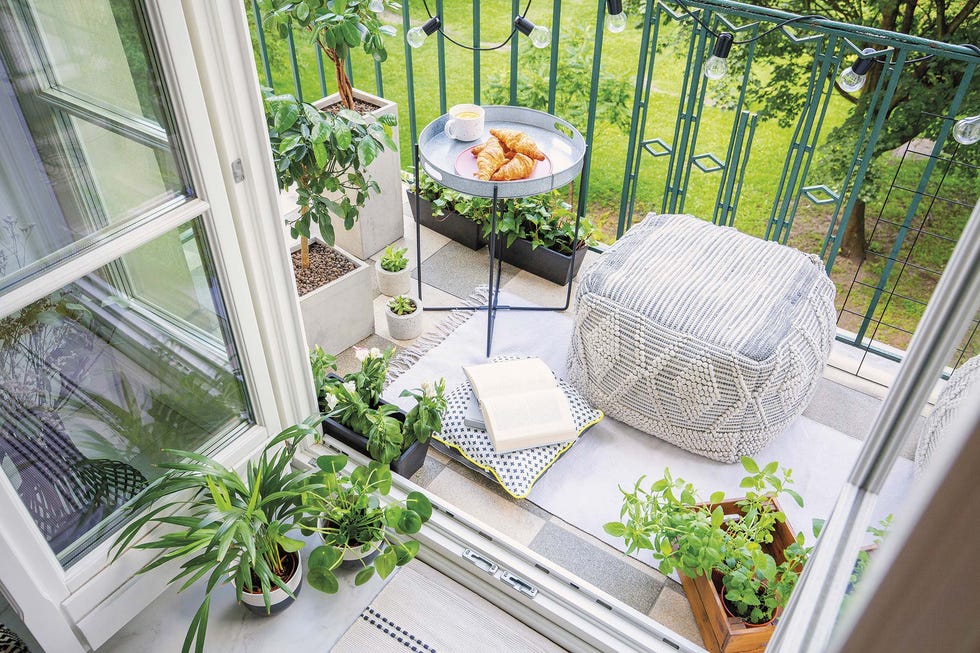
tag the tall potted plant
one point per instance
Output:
(228, 527)
(738, 559)
(317, 152)
(338, 27)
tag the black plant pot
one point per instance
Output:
(546, 263)
(410, 460)
(451, 225)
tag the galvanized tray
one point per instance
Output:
(561, 143)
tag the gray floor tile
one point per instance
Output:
(430, 470)
(346, 361)
(673, 610)
(457, 269)
(598, 567)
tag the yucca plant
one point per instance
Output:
(224, 526)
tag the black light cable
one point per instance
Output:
(540, 36)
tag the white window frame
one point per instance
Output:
(79, 608)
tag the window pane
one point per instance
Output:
(86, 142)
(97, 379)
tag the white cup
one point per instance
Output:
(465, 122)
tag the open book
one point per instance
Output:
(522, 404)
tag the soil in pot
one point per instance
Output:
(360, 106)
(252, 597)
(326, 265)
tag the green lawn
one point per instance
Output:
(769, 144)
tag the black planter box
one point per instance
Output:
(406, 464)
(546, 263)
(451, 225)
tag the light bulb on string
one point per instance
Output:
(540, 36)
(966, 131)
(615, 16)
(417, 35)
(851, 80)
(377, 6)
(717, 64)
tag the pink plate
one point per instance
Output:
(466, 166)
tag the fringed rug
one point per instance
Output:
(422, 611)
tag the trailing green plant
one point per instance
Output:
(222, 525)
(320, 152)
(697, 538)
(336, 27)
(348, 513)
(394, 259)
(543, 220)
(354, 402)
(402, 305)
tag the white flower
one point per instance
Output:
(331, 401)
(350, 386)
(427, 389)
(361, 354)
(375, 352)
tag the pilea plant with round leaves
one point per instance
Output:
(348, 512)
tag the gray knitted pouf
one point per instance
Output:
(708, 338)
(948, 403)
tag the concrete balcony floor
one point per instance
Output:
(843, 401)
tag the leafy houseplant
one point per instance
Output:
(321, 152)
(347, 512)
(336, 27)
(393, 273)
(744, 548)
(231, 528)
(404, 317)
(356, 415)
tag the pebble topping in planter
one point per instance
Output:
(326, 265)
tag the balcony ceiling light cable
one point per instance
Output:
(523, 15)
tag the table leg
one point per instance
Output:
(418, 224)
(492, 291)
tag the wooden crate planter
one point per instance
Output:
(721, 632)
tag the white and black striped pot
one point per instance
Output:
(255, 603)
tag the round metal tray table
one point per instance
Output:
(437, 154)
(561, 143)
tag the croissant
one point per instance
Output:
(508, 153)
(520, 167)
(519, 142)
(490, 158)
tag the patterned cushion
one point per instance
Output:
(961, 383)
(516, 471)
(10, 642)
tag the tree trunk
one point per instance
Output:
(852, 245)
(304, 252)
(343, 83)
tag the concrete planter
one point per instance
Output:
(380, 222)
(340, 313)
(393, 284)
(405, 327)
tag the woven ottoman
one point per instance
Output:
(708, 338)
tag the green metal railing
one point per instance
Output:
(668, 163)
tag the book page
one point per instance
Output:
(509, 377)
(528, 419)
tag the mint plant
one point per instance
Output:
(697, 538)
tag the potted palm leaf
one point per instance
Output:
(227, 527)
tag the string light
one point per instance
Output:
(615, 16)
(966, 131)
(851, 80)
(717, 65)
(540, 36)
(417, 35)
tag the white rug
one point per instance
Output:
(582, 487)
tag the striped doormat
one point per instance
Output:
(422, 611)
